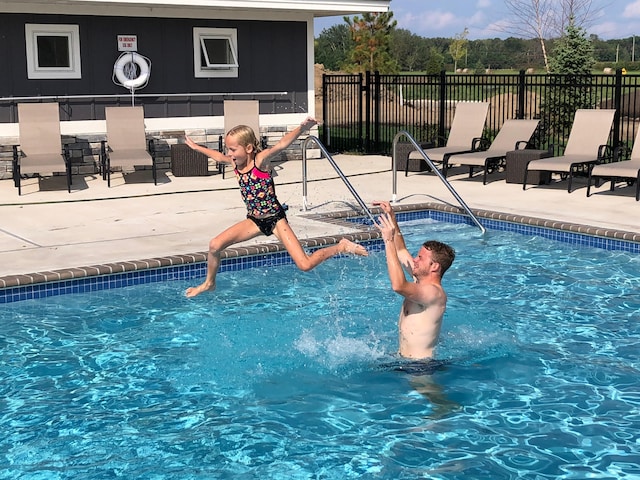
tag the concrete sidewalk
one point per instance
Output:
(47, 228)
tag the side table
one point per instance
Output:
(516, 163)
(403, 162)
(186, 162)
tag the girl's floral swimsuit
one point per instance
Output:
(259, 194)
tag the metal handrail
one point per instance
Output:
(310, 139)
(435, 170)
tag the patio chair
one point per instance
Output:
(465, 133)
(513, 135)
(242, 112)
(41, 151)
(628, 170)
(126, 144)
(586, 146)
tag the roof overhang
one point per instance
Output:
(186, 8)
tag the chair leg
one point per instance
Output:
(526, 172)
(570, 178)
(484, 174)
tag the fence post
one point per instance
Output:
(443, 108)
(617, 102)
(367, 111)
(521, 96)
(325, 111)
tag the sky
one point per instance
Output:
(483, 18)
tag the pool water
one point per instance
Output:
(284, 374)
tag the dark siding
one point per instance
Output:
(272, 57)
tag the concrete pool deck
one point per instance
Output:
(48, 229)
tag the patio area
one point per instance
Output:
(49, 229)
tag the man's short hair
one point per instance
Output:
(442, 253)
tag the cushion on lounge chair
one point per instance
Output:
(41, 150)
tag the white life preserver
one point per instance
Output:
(126, 72)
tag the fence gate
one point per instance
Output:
(342, 107)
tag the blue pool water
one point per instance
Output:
(283, 374)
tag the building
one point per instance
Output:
(190, 55)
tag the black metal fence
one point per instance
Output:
(364, 112)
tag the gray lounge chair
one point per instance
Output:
(465, 133)
(587, 146)
(126, 144)
(628, 170)
(513, 135)
(242, 112)
(41, 151)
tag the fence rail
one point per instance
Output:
(363, 112)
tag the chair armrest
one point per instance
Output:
(522, 142)
(479, 144)
(152, 147)
(620, 152)
(605, 152)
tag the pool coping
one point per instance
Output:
(364, 234)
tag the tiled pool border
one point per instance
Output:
(181, 267)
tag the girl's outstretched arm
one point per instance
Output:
(215, 154)
(284, 142)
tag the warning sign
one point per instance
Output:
(127, 43)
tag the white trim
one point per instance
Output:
(71, 32)
(220, 9)
(214, 70)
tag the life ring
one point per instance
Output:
(132, 70)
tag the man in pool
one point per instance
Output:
(424, 298)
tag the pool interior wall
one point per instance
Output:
(184, 267)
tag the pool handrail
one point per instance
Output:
(333, 163)
(426, 158)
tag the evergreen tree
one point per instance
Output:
(573, 60)
(435, 64)
(371, 35)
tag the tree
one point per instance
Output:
(458, 48)
(333, 47)
(435, 64)
(409, 50)
(545, 19)
(573, 58)
(371, 36)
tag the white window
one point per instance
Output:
(53, 51)
(215, 52)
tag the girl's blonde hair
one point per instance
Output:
(245, 137)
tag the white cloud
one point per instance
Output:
(483, 4)
(632, 10)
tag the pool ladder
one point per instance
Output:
(426, 158)
(312, 139)
(333, 163)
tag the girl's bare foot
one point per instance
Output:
(351, 247)
(193, 291)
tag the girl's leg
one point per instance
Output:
(239, 232)
(307, 262)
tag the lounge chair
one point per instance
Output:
(587, 145)
(513, 135)
(465, 133)
(126, 144)
(628, 170)
(41, 151)
(242, 112)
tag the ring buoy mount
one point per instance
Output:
(132, 70)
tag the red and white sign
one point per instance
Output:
(127, 43)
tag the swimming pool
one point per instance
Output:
(282, 374)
